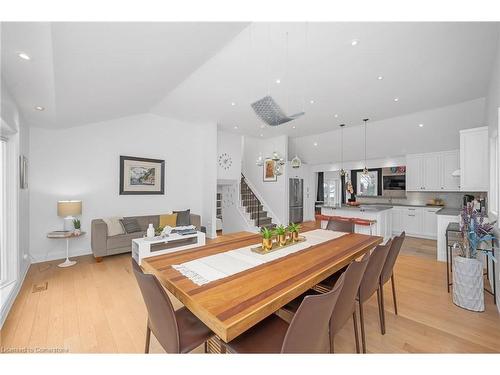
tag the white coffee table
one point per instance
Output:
(145, 248)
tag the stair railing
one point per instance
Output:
(253, 208)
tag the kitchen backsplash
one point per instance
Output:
(452, 200)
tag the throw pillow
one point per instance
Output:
(131, 225)
(183, 218)
(170, 220)
(114, 226)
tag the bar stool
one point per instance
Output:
(365, 222)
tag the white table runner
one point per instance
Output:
(214, 267)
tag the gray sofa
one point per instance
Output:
(104, 245)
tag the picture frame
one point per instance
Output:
(141, 176)
(268, 170)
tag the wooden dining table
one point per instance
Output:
(231, 305)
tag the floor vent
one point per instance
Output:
(40, 287)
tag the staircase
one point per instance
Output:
(253, 207)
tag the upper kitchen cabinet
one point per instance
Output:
(432, 171)
(474, 159)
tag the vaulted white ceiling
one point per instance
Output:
(87, 72)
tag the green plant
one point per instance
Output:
(280, 230)
(293, 228)
(76, 223)
(158, 230)
(267, 233)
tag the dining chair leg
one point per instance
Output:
(148, 339)
(332, 344)
(355, 323)
(380, 310)
(394, 295)
(362, 323)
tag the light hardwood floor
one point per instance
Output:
(97, 308)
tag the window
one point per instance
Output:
(367, 184)
(3, 211)
(331, 191)
(494, 177)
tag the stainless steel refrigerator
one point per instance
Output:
(296, 200)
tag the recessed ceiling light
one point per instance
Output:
(315, 143)
(262, 135)
(335, 115)
(278, 81)
(236, 127)
(421, 125)
(354, 42)
(293, 127)
(233, 104)
(24, 56)
(396, 99)
(38, 108)
(311, 101)
(380, 78)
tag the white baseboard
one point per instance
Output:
(58, 255)
(12, 297)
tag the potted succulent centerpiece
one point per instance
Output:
(267, 238)
(467, 269)
(77, 225)
(281, 233)
(293, 229)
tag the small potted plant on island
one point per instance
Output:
(293, 229)
(76, 223)
(281, 233)
(467, 269)
(267, 238)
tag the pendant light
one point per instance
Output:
(342, 171)
(365, 170)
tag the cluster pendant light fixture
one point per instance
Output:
(342, 171)
(365, 169)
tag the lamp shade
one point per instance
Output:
(69, 208)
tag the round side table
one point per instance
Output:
(67, 237)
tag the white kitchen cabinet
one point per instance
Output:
(432, 171)
(429, 222)
(397, 220)
(412, 221)
(474, 159)
(450, 162)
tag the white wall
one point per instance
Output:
(83, 163)
(394, 136)
(231, 144)
(274, 194)
(208, 133)
(493, 122)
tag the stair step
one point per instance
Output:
(261, 214)
(265, 221)
(268, 226)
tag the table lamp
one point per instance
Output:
(68, 210)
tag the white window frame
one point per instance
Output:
(493, 204)
(359, 176)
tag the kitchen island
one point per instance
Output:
(379, 213)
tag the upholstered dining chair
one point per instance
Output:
(388, 273)
(178, 331)
(308, 332)
(346, 303)
(340, 224)
(370, 283)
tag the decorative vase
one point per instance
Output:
(267, 244)
(282, 239)
(295, 236)
(77, 232)
(468, 283)
(150, 233)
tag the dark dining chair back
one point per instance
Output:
(392, 256)
(340, 225)
(309, 329)
(161, 314)
(370, 282)
(346, 303)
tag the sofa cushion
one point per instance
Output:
(131, 225)
(123, 240)
(144, 221)
(183, 218)
(170, 220)
(115, 228)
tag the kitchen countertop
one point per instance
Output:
(377, 207)
(361, 208)
(449, 211)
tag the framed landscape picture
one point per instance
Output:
(141, 176)
(269, 175)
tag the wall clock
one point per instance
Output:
(225, 161)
